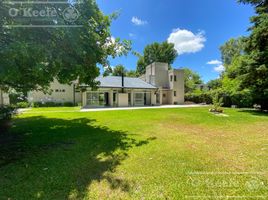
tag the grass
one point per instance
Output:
(186, 153)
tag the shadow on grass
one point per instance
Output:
(58, 159)
(254, 112)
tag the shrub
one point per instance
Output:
(197, 97)
(23, 104)
(5, 115)
(53, 104)
(68, 104)
(217, 103)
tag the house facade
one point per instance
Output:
(158, 86)
(59, 93)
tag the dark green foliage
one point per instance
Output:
(232, 49)
(118, 70)
(214, 84)
(53, 104)
(156, 52)
(6, 113)
(191, 80)
(203, 97)
(23, 104)
(32, 57)
(131, 73)
(244, 82)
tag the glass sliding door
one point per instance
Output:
(139, 99)
(96, 99)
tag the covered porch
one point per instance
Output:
(114, 97)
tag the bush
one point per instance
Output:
(6, 113)
(23, 104)
(203, 97)
(68, 104)
(53, 104)
(217, 103)
(242, 99)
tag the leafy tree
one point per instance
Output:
(141, 66)
(132, 73)
(255, 71)
(119, 70)
(214, 84)
(32, 57)
(156, 52)
(191, 80)
(231, 49)
(108, 71)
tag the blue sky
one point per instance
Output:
(198, 28)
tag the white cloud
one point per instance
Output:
(186, 41)
(219, 68)
(214, 62)
(138, 22)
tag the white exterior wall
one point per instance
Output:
(166, 87)
(177, 86)
(60, 93)
(122, 99)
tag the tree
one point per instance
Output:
(214, 84)
(231, 49)
(132, 73)
(32, 57)
(119, 70)
(156, 52)
(191, 80)
(255, 73)
(108, 71)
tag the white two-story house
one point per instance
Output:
(158, 86)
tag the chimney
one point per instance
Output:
(123, 82)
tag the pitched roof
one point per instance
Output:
(116, 82)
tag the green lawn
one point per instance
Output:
(185, 153)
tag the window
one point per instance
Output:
(63, 90)
(164, 95)
(175, 93)
(171, 78)
(175, 78)
(56, 90)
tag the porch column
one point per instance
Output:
(160, 97)
(153, 98)
(84, 99)
(132, 98)
(111, 98)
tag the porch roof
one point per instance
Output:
(116, 82)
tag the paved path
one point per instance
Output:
(138, 108)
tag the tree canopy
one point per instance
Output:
(118, 70)
(156, 52)
(191, 80)
(32, 57)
